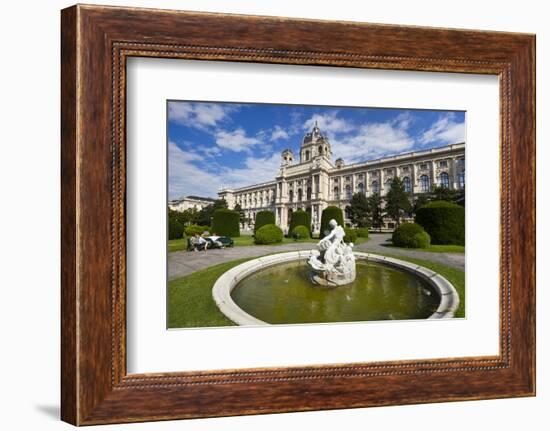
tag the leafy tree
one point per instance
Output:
(242, 216)
(440, 193)
(358, 210)
(375, 207)
(397, 200)
(420, 201)
(204, 216)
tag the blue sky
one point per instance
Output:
(236, 144)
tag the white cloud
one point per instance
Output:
(278, 133)
(237, 140)
(190, 174)
(185, 177)
(328, 123)
(444, 131)
(375, 140)
(199, 115)
(256, 170)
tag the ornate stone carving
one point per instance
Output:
(333, 264)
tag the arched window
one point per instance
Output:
(424, 183)
(361, 188)
(407, 184)
(299, 195)
(461, 179)
(308, 193)
(320, 149)
(307, 155)
(444, 180)
(348, 191)
(326, 150)
(336, 193)
(290, 195)
(374, 187)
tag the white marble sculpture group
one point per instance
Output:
(333, 264)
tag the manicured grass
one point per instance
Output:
(247, 240)
(455, 276)
(177, 244)
(190, 302)
(435, 248)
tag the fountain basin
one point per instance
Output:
(238, 290)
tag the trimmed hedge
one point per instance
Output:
(444, 222)
(329, 213)
(362, 232)
(410, 235)
(268, 234)
(300, 232)
(300, 218)
(351, 235)
(263, 218)
(195, 228)
(175, 229)
(225, 222)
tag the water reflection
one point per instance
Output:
(284, 294)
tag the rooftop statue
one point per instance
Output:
(333, 264)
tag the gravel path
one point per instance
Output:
(182, 263)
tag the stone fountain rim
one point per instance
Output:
(224, 285)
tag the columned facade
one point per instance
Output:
(315, 182)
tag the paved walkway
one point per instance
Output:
(182, 263)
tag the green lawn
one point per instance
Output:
(190, 302)
(455, 276)
(246, 240)
(436, 248)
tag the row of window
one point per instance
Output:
(424, 185)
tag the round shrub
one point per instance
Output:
(329, 213)
(196, 229)
(225, 222)
(351, 235)
(299, 218)
(268, 234)
(263, 218)
(175, 229)
(362, 232)
(410, 235)
(443, 220)
(300, 232)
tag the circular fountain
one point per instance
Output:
(320, 286)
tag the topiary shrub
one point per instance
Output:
(268, 234)
(299, 218)
(351, 235)
(329, 213)
(444, 222)
(300, 232)
(175, 229)
(263, 218)
(410, 235)
(225, 222)
(362, 232)
(196, 229)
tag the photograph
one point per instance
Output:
(282, 214)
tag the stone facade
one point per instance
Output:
(315, 182)
(190, 202)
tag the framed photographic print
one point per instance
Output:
(319, 214)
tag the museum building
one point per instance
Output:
(315, 182)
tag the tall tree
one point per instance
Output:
(204, 216)
(242, 216)
(397, 201)
(358, 210)
(376, 212)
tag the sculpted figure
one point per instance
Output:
(334, 263)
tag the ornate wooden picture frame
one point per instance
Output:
(96, 42)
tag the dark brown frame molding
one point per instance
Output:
(95, 43)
